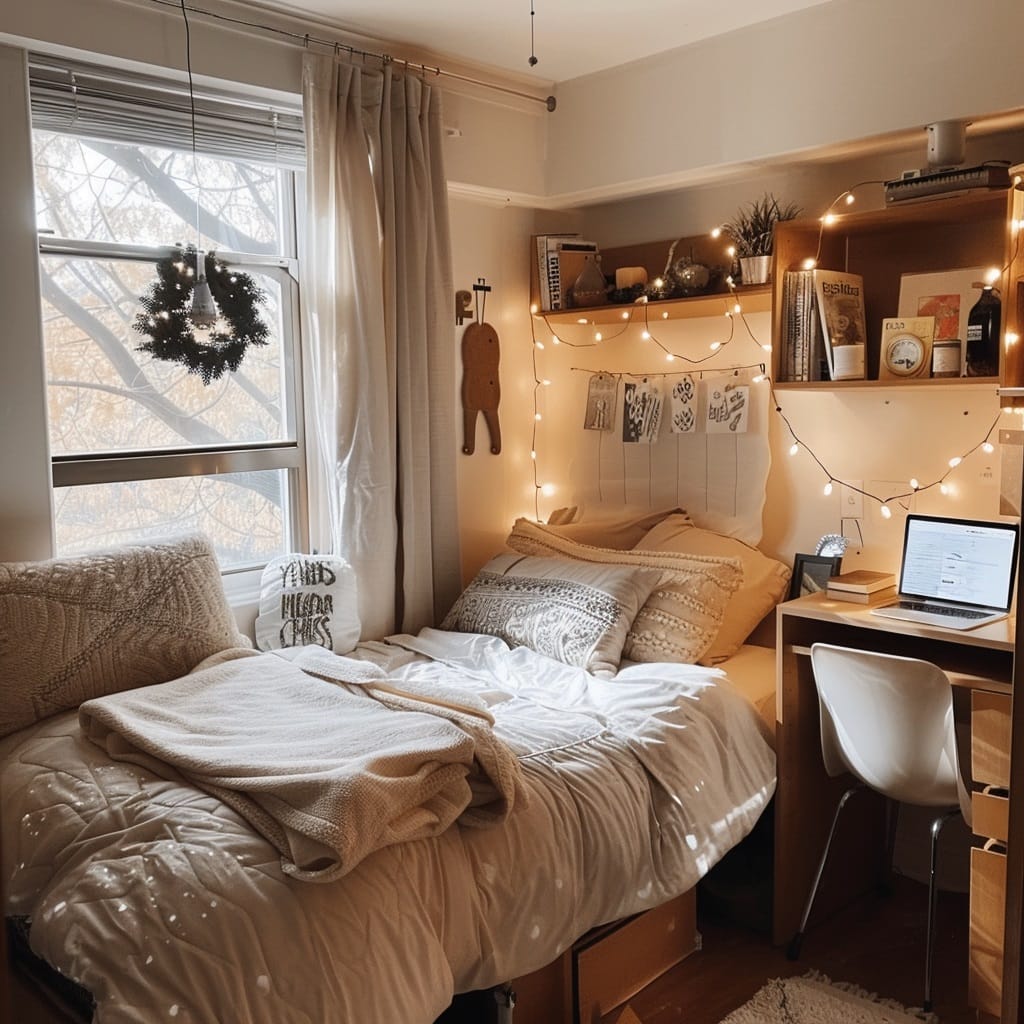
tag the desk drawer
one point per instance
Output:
(988, 908)
(619, 963)
(990, 814)
(990, 738)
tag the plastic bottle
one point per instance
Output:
(982, 355)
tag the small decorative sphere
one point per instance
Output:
(533, 61)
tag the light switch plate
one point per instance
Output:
(851, 501)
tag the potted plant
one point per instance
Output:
(752, 230)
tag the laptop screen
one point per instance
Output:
(959, 560)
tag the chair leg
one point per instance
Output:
(793, 952)
(932, 896)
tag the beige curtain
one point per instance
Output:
(379, 351)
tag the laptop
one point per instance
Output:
(956, 573)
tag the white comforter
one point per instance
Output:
(165, 904)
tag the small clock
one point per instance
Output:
(906, 348)
(904, 355)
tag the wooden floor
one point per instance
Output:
(877, 944)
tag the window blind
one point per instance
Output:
(123, 106)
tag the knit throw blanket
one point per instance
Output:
(321, 754)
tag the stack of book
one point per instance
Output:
(861, 586)
(822, 311)
(559, 260)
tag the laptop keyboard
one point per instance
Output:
(938, 609)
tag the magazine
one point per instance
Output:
(843, 322)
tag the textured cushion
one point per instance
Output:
(765, 580)
(81, 627)
(306, 600)
(620, 532)
(575, 613)
(682, 616)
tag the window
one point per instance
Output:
(140, 447)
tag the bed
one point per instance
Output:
(164, 903)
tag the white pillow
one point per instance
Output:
(308, 599)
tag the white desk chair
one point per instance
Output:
(889, 722)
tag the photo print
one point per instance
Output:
(641, 412)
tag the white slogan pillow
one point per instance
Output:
(308, 599)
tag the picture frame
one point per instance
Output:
(947, 295)
(811, 573)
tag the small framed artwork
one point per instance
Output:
(946, 295)
(811, 573)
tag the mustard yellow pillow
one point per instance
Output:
(765, 580)
(621, 532)
(680, 619)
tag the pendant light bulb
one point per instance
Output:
(204, 309)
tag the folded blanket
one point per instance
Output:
(321, 754)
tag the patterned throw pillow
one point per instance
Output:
(682, 615)
(569, 611)
(86, 626)
(765, 580)
(308, 599)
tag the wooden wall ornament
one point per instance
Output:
(481, 389)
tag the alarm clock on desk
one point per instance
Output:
(906, 350)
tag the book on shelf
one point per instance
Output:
(843, 322)
(858, 598)
(802, 343)
(558, 256)
(862, 581)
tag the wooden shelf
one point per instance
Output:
(752, 299)
(977, 383)
(940, 234)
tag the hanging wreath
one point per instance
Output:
(166, 320)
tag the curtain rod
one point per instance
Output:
(305, 38)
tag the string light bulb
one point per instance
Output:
(794, 448)
(827, 489)
(914, 484)
(809, 264)
(886, 511)
(988, 448)
(955, 461)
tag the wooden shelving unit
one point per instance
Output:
(941, 234)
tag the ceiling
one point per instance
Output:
(571, 37)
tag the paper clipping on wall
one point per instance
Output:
(728, 408)
(641, 412)
(600, 413)
(684, 406)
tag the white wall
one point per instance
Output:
(844, 70)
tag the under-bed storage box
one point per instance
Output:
(609, 965)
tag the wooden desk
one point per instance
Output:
(806, 798)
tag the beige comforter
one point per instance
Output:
(321, 754)
(167, 906)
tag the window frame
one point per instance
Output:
(153, 464)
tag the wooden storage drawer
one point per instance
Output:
(988, 906)
(545, 996)
(620, 962)
(990, 738)
(990, 814)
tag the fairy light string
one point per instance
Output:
(733, 313)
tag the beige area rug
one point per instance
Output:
(814, 999)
